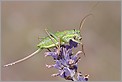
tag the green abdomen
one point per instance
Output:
(48, 43)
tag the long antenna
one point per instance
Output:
(83, 20)
(81, 25)
(25, 58)
(94, 6)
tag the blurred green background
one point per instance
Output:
(23, 22)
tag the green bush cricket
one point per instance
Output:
(55, 40)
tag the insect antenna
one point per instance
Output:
(83, 21)
(80, 27)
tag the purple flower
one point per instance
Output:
(80, 77)
(71, 45)
(66, 62)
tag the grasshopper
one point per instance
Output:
(55, 40)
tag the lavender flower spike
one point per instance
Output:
(66, 62)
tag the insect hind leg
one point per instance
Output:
(51, 37)
(48, 49)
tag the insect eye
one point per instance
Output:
(80, 38)
(74, 37)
